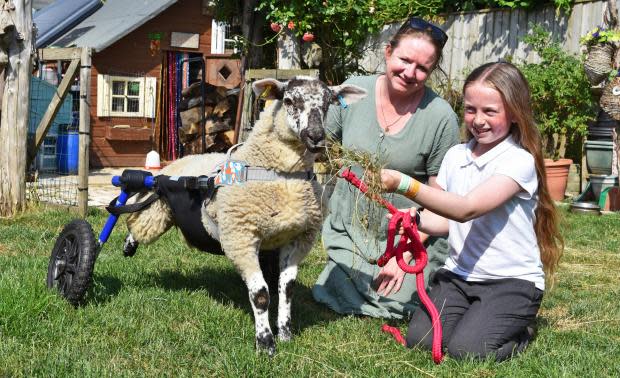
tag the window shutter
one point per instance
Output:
(150, 96)
(103, 96)
(218, 33)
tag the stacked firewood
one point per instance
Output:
(220, 109)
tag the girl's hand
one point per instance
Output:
(413, 211)
(390, 179)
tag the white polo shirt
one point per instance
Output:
(501, 243)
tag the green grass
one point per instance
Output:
(172, 311)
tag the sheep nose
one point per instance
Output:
(314, 134)
(317, 135)
(315, 131)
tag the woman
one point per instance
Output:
(410, 128)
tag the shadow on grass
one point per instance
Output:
(227, 287)
(103, 289)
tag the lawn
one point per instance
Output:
(172, 311)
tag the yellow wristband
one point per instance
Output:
(414, 188)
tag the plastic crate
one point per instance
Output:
(46, 157)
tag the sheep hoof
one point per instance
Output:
(265, 343)
(285, 334)
(130, 247)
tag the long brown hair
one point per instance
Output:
(515, 91)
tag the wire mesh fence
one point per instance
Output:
(52, 176)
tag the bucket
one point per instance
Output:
(50, 75)
(599, 155)
(600, 182)
(67, 150)
(152, 160)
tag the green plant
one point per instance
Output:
(342, 27)
(600, 35)
(561, 97)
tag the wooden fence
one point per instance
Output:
(489, 35)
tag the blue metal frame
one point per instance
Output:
(149, 183)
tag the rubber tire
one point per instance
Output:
(76, 244)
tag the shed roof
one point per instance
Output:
(56, 18)
(114, 20)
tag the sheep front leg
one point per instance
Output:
(290, 257)
(259, 299)
(242, 249)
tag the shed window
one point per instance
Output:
(119, 96)
(223, 36)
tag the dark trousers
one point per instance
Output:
(479, 319)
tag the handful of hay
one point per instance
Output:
(338, 157)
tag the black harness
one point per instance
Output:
(185, 196)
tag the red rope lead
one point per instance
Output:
(394, 332)
(409, 241)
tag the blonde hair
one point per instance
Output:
(515, 91)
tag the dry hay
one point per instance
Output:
(340, 157)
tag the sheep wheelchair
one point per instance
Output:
(76, 249)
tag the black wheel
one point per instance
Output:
(72, 262)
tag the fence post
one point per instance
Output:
(84, 130)
(17, 44)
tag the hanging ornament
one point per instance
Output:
(155, 44)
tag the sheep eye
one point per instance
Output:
(288, 102)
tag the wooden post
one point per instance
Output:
(288, 50)
(84, 130)
(15, 109)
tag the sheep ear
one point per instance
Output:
(269, 89)
(348, 93)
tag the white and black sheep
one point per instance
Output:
(283, 214)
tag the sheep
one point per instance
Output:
(283, 214)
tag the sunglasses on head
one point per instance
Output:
(436, 33)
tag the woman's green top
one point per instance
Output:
(354, 233)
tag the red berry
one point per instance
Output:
(291, 25)
(308, 37)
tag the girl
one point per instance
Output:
(501, 222)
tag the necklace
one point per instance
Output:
(387, 124)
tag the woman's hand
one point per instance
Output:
(390, 278)
(390, 179)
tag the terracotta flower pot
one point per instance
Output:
(557, 177)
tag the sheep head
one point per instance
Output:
(306, 101)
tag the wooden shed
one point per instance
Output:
(145, 54)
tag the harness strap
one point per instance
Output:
(124, 209)
(262, 174)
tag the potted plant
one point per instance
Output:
(599, 59)
(562, 103)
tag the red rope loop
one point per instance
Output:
(409, 241)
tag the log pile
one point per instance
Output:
(220, 109)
